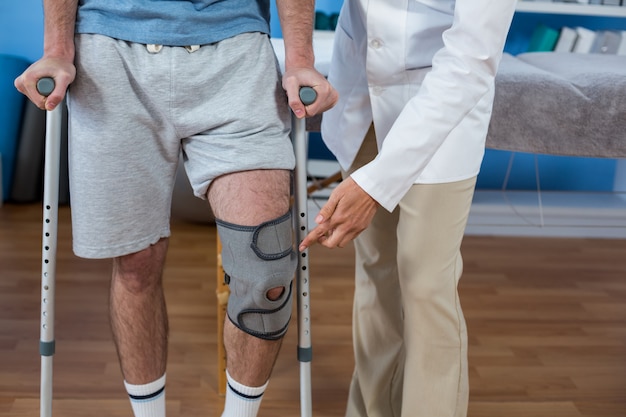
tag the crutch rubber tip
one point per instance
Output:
(45, 86)
(307, 95)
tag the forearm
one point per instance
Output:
(59, 25)
(296, 19)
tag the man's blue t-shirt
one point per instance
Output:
(172, 22)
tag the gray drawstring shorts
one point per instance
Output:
(134, 108)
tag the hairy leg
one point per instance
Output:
(138, 313)
(249, 198)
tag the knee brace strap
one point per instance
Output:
(255, 260)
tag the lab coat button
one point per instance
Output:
(377, 90)
(375, 43)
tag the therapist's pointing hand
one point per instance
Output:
(347, 213)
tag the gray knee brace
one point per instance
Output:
(255, 260)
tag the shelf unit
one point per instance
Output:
(528, 6)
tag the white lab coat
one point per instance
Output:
(431, 123)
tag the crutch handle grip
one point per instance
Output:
(45, 86)
(307, 95)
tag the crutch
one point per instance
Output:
(300, 216)
(45, 86)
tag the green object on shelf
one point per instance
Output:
(325, 21)
(322, 21)
(543, 39)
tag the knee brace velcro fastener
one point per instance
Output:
(257, 259)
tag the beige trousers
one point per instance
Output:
(409, 334)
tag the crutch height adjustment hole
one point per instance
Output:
(302, 214)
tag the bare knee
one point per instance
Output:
(275, 293)
(140, 271)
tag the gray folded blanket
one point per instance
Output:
(561, 104)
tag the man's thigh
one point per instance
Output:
(249, 198)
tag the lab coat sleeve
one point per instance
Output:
(463, 73)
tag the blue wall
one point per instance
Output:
(21, 42)
(21, 28)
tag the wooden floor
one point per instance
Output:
(547, 323)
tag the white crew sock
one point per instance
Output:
(242, 401)
(147, 400)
